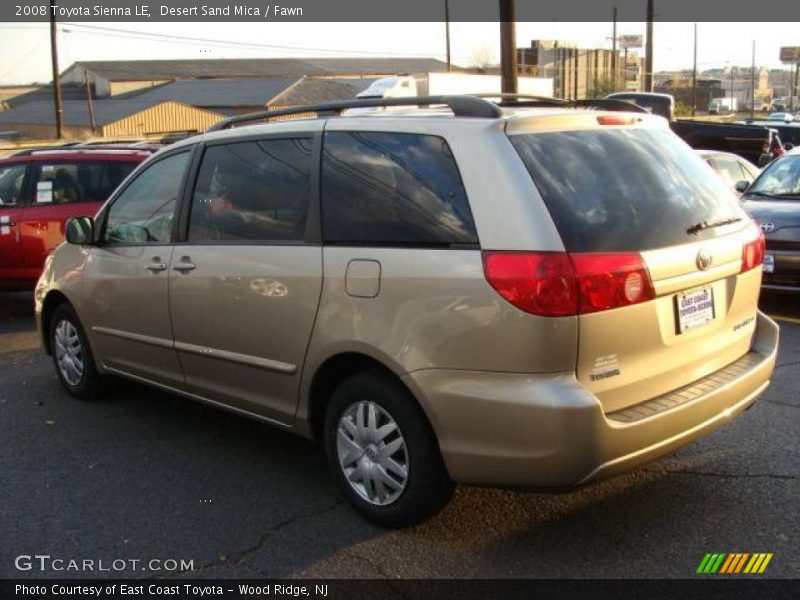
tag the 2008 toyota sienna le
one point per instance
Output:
(531, 295)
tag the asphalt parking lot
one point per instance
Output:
(146, 475)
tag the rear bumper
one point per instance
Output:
(550, 431)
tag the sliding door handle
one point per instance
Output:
(184, 267)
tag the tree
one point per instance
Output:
(482, 57)
(604, 86)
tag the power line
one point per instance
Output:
(80, 28)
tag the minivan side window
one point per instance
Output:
(392, 189)
(253, 191)
(143, 212)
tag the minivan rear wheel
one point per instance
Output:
(72, 356)
(383, 452)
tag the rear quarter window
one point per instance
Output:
(611, 190)
(393, 189)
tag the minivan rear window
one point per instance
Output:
(611, 190)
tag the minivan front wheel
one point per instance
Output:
(72, 356)
(383, 452)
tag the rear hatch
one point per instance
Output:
(667, 264)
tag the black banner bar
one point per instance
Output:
(733, 588)
(394, 11)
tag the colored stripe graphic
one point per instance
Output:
(741, 563)
(730, 563)
(703, 563)
(727, 565)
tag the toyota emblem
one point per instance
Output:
(767, 226)
(704, 260)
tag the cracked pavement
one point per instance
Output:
(148, 475)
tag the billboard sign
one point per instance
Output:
(630, 41)
(790, 54)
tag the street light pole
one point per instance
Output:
(447, 32)
(753, 84)
(648, 59)
(694, 74)
(614, 50)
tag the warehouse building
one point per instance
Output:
(107, 118)
(110, 78)
(237, 96)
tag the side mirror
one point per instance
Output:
(80, 231)
(788, 146)
(741, 186)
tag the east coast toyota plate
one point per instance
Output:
(694, 308)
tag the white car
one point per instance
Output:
(786, 117)
(731, 167)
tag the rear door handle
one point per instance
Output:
(185, 265)
(156, 267)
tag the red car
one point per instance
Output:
(40, 191)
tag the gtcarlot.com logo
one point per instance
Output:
(730, 563)
(45, 562)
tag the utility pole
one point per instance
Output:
(648, 59)
(447, 32)
(614, 50)
(694, 74)
(56, 83)
(89, 103)
(753, 84)
(508, 48)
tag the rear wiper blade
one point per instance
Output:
(697, 228)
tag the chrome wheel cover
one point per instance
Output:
(68, 352)
(372, 453)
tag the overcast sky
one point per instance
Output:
(25, 49)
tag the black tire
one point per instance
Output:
(89, 385)
(428, 487)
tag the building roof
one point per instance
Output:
(76, 112)
(153, 70)
(215, 92)
(45, 92)
(314, 91)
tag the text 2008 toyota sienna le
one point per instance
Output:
(463, 293)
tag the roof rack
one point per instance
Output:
(527, 100)
(462, 106)
(474, 105)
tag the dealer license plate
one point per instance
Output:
(695, 308)
(769, 263)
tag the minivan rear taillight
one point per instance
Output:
(558, 284)
(753, 249)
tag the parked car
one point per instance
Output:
(773, 200)
(751, 142)
(40, 191)
(732, 168)
(409, 287)
(723, 106)
(786, 117)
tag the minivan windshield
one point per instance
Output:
(626, 189)
(781, 179)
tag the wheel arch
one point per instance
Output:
(332, 372)
(53, 300)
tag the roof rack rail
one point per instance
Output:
(523, 100)
(462, 106)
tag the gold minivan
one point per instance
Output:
(464, 293)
